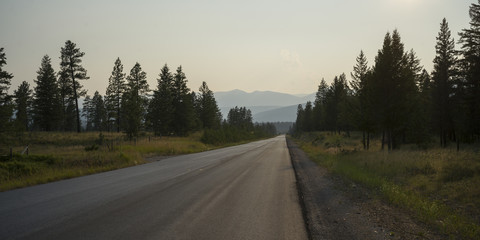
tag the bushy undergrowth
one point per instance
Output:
(438, 186)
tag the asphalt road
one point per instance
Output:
(241, 192)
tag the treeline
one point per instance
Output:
(238, 127)
(128, 104)
(399, 100)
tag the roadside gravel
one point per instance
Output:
(334, 208)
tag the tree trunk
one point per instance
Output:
(389, 137)
(363, 141)
(441, 138)
(76, 99)
(118, 118)
(383, 140)
(368, 140)
(458, 144)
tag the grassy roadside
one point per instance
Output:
(56, 156)
(437, 186)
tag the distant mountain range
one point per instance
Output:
(266, 106)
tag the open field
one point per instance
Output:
(55, 156)
(437, 186)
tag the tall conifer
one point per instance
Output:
(71, 70)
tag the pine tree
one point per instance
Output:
(443, 82)
(240, 118)
(23, 106)
(100, 116)
(71, 69)
(65, 89)
(308, 117)
(391, 85)
(87, 113)
(161, 111)
(182, 103)
(345, 103)
(47, 108)
(94, 112)
(319, 106)
(5, 98)
(207, 108)
(415, 127)
(359, 73)
(360, 103)
(134, 101)
(299, 122)
(334, 103)
(470, 66)
(113, 97)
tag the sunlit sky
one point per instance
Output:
(275, 45)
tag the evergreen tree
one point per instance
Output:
(87, 113)
(94, 112)
(359, 73)
(23, 106)
(335, 103)
(208, 112)
(182, 103)
(319, 106)
(161, 111)
(113, 97)
(5, 98)
(360, 103)
(65, 89)
(308, 117)
(240, 118)
(392, 85)
(299, 122)
(415, 127)
(100, 112)
(470, 66)
(47, 108)
(134, 101)
(71, 69)
(345, 105)
(443, 82)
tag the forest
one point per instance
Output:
(399, 101)
(129, 105)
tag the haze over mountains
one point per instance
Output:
(266, 106)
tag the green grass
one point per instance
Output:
(437, 186)
(56, 156)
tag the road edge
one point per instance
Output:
(300, 188)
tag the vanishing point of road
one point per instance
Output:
(241, 192)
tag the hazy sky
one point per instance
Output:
(285, 46)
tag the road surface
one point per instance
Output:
(241, 192)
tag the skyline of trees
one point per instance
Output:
(127, 105)
(399, 101)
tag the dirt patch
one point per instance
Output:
(337, 209)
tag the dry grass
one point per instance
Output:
(55, 156)
(439, 186)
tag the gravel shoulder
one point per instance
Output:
(337, 209)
